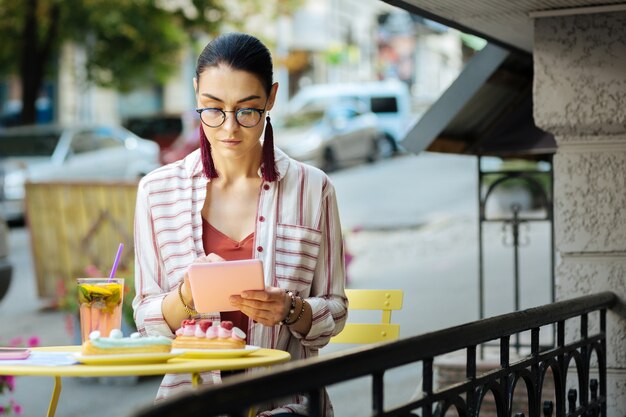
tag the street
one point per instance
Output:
(410, 222)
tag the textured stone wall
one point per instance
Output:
(580, 63)
(580, 96)
(590, 197)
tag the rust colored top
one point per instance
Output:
(217, 242)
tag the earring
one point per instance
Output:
(269, 165)
(205, 153)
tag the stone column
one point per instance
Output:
(580, 97)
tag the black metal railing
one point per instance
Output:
(237, 394)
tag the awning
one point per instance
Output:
(486, 111)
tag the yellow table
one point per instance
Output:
(177, 365)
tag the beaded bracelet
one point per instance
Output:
(190, 311)
(292, 308)
(301, 311)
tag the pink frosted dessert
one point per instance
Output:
(205, 334)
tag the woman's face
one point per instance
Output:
(227, 89)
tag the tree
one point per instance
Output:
(127, 42)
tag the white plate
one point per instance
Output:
(215, 353)
(125, 359)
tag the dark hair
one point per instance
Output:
(241, 52)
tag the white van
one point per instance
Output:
(390, 100)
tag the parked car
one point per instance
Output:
(390, 100)
(331, 138)
(53, 152)
(6, 269)
(177, 134)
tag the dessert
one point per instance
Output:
(205, 334)
(116, 344)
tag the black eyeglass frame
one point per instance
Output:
(259, 111)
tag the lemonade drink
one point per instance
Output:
(100, 301)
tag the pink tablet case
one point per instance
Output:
(14, 353)
(213, 283)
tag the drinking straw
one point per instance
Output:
(117, 260)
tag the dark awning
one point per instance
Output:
(486, 111)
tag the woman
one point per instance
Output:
(234, 198)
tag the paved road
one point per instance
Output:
(407, 191)
(415, 229)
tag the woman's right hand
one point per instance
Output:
(186, 289)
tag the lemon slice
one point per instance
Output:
(94, 289)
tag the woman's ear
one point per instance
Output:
(272, 97)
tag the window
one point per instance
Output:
(37, 144)
(384, 105)
(91, 141)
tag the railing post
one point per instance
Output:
(504, 364)
(571, 401)
(602, 363)
(470, 374)
(504, 351)
(560, 342)
(315, 402)
(534, 341)
(585, 352)
(548, 408)
(378, 399)
(593, 391)
(427, 385)
(534, 406)
(584, 322)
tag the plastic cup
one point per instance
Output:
(100, 301)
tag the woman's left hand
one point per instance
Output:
(267, 307)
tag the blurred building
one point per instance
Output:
(330, 41)
(325, 41)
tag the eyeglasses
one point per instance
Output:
(246, 117)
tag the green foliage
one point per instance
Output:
(127, 42)
(11, 22)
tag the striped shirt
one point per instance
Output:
(297, 236)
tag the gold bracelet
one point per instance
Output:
(190, 311)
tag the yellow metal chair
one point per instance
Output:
(363, 333)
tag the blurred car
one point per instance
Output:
(331, 138)
(53, 152)
(5, 266)
(390, 100)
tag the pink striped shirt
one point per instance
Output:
(297, 236)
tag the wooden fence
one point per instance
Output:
(76, 228)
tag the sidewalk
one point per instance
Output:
(23, 315)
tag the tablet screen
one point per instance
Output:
(213, 283)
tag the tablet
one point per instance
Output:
(213, 283)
